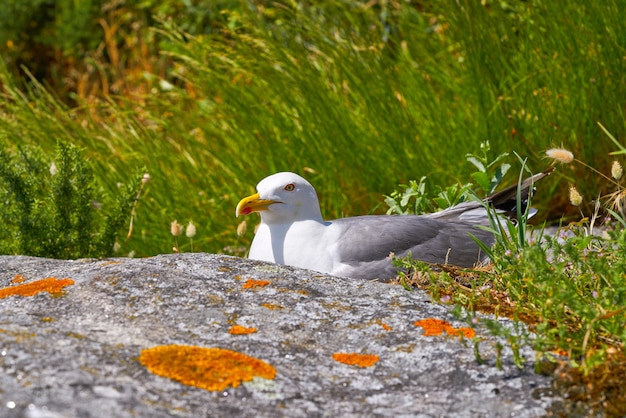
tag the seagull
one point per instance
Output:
(292, 231)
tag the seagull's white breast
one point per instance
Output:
(305, 244)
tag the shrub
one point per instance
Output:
(56, 209)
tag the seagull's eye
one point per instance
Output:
(290, 187)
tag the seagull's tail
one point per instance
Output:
(505, 201)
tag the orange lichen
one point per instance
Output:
(239, 330)
(464, 332)
(355, 359)
(434, 326)
(382, 324)
(51, 285)
(560, 352)
(271, 306)
(18, 279)
(250, 283)
(206, 368)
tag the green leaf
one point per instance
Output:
(476, 162)
(482, 179)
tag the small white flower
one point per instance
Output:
(53, 169)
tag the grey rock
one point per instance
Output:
(76, 355)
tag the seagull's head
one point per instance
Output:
(282, 198)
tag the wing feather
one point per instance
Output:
(367, 241)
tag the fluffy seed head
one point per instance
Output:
(175, 228)
(190, 231)
(575, 197)
(616, 170)
(561, 155)
(242, 228)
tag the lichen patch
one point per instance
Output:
(241, 330)
(433, 327)
(271, 306)
(51, 285)
(356, 359)
(213, 369)
(18, 279)
(251, 283)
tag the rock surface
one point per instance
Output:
(75, 353)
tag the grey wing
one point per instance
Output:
(367, 242)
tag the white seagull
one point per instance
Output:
(293, 232)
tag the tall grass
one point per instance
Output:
(357, 98)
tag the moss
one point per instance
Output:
(213, 369)
(434, 327)
(251, 283)
(355, 359)
(51, 285)
(239, 330)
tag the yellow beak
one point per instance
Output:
(253, 203)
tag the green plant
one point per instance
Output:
(55, 208)
(565, 291)
(415, 199)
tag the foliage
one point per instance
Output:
(414, 199)
(575, 288)
(568, 288)
(55, 209)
